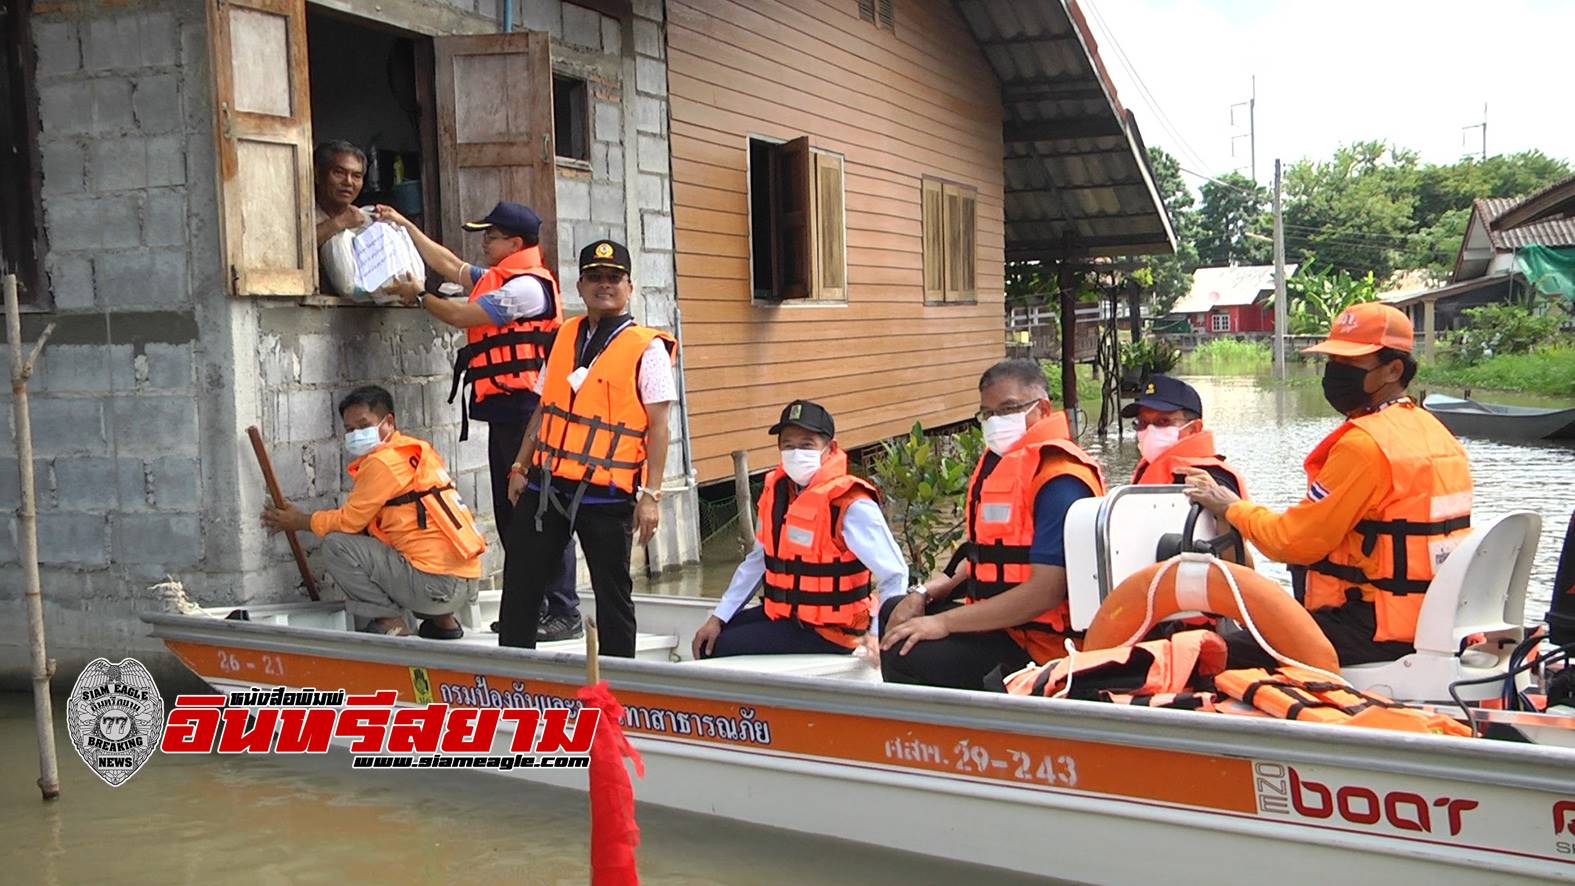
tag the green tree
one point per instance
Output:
(1316, 295)
(1232, 208)
(1170, 276)
(1353, 212)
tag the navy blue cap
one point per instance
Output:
(807, 415)
(1165, 394)
(513, 218)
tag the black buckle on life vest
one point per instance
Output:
(583, 457)
(417, 497)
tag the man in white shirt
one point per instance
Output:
(340, 169)
(510, 320)
(824, 557)
(593, 457)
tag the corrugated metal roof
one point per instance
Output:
(1227, 287)
(1552, 232)
(1077, 176)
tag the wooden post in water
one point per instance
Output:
(746, 504)
(1065, 279)
(27, 542)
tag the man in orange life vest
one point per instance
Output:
(822, 549)
(593, 457)
(1388, 497)
(1170, 436)
(404, 541)
(509, 320)
(1015, 581)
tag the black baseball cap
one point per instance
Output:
(605, 254)
(1167, 395)
(511, 218)
(807, 415)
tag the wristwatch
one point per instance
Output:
(655, 494)
(516, 468)
(921, 591)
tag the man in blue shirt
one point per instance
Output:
(1014, 583)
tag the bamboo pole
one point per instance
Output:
(746, 505)
(27, 531)
(593, 667)
(266, 464)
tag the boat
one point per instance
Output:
(1465, 417)
(1075, 790)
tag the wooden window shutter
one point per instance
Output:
(495, 133)
(867, 10)
(934, 241)
(959, 213)
(888, 15)
(831, 236)
(265, 145)
(793, 275)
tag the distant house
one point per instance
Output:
(1230, 300)
(1508, 249)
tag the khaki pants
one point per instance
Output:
(380, 583)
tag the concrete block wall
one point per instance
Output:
(142, 398)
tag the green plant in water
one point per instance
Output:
(1499, 329)
(923, 480)
(1149, 356)
(1315, 296)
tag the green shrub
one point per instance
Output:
(923, 480)
(1149, 355)
(1493, 330)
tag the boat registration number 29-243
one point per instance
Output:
(1060, 769)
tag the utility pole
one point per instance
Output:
(1252, 129)
(1279, 279)
(1482, 126)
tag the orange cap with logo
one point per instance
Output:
(1365, 329)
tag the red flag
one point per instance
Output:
(614, 833)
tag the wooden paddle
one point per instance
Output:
(266, 464)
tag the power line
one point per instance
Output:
(1144, 91)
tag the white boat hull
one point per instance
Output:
(1066, 789)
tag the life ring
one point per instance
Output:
(1199, 582)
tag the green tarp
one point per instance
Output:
(1549, 269)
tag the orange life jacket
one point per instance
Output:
(596, 436)
(1155, 673)
(500, 360)
(1196, 451)
(1000, 523)
(426, 510)
(1394, 551)
(1291, 693)
(811, 576)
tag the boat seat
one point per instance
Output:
(841, 667)
(1479, 591)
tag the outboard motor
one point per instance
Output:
(1561, 614)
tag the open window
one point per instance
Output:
(449, 126)
(21, 207)
(797, 221)
(571, 117)
(950, 242)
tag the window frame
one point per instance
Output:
(580, 106)
(815, 159)
(941, 265)
(1214, 321)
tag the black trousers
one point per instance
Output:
(605, 532)
(960, 661)
(503, 446)
(752, 632)
(1349, 629)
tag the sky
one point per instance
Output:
(1330, 72)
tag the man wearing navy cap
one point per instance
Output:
(510, 320)
(1170, 435)
(824, 557)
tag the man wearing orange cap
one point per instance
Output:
(1388, 497)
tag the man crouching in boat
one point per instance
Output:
(423, 542)
(1015, 582)
(822, 548)
(1388, 497)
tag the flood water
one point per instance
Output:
(307, 819)
(312, 819)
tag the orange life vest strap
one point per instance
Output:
(1397, 531)
(583, 455)
(468, 374)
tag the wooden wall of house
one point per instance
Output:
(920, 101)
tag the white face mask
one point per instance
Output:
(1001, 432)
(363, 440)
(1154, 440)
(800, 464)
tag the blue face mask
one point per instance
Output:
(363, 440)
